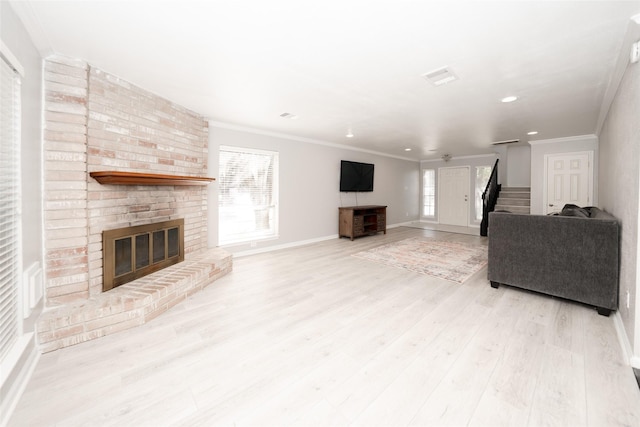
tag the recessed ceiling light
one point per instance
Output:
(509, 99)
(533, 132)
(349, 134)
(407, 149)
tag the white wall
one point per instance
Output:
(518, 166)
(620, 192)
(16, 367)
(540, 148)
(472, 162)
(309, 185)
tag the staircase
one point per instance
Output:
(514, 199)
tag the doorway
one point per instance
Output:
(453, 196)
(569, 179)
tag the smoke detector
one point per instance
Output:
(440, 76)
(446, 157)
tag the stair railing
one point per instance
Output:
(489, 198)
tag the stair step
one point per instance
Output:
(514, 195)
(518, 189)
(513, 201)
(514, 209)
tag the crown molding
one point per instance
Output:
(475, 156)
(34, 27)
(631, 36)
(223, 125)
(565, 139)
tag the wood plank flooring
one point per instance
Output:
(313, 336)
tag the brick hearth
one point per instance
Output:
(131, 304)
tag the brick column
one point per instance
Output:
(65, 184)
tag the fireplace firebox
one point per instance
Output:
(132, 252)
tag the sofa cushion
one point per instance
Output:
(573, 210)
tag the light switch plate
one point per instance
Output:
(635, 52)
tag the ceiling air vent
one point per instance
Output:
(440, 76)
(288, 116)
(508, 141)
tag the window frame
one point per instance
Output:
(423, 194)
(271, 208)
(478, 190)
(10, 296)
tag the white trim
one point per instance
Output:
(20, 351)
(229, 126)
(625, 345)
(33, 25)
(565, 139)
(545, 183)
(631, 36)
(284, 246)
(475, 156)
(13, 62)
(433, 217)
(301, 243)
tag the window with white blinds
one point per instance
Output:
(428, 193)
(9, 205)
(248, 195)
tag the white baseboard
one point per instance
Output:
(301, 243)
(625, 345)
(21, 361)
(283, 246)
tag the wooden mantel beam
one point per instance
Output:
(138, 178)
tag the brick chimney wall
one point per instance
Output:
(95, 121)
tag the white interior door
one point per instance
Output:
(569, 180)
(453, 196)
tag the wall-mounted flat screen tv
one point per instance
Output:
(355, 176)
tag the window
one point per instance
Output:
(9, 205)
(429, 193)
(248, 197)
(483, 173)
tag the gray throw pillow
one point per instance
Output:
(573, 210)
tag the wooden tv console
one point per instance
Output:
(355, 221)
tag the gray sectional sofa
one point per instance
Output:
(574, 255)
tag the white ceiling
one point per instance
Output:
(357, 64)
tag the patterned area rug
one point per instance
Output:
(451, 261)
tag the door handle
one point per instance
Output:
(550, 205)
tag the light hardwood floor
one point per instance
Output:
(313, 336)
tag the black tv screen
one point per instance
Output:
(355, 176)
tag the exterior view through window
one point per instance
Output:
(428, 193)
(248, 195)
(482, 177)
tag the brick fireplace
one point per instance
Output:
(95, 121)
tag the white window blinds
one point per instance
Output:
(9, 205)
(428, 192)
(248, 198)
